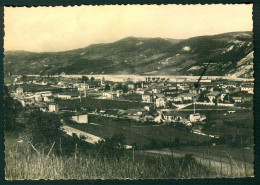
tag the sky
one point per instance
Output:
(42, 29)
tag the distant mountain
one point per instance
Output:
(232, 54)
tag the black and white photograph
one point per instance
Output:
(128, 92)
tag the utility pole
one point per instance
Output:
(133, 153)
(85, 92)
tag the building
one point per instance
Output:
(140, 91)
(48, 98)
(38, 97)
(156, 90)
(160, 102)
(222, 96)
(19, 91)
(196, 117)
(29, 95)
(172, 116)
(64, 96)
(177, 99)
(194, 91)
(45, 93)
(80, 118)
(187, 97)
(248, 88)
(212, 96)
(26, 102)
(230, 85)
(53, 107)
(119, 93)
(148, 98)
(238, 99)
(131, 86)
(109, 95)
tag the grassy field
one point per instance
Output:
(92, 104)
(222, 151)
(22, 162)
(140, 135)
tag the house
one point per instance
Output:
(26, 102)
(238, 99)
(45, 93)
(43, 107)
(148, 98)
(212, 96)
(156, 90)
(249, 88)
(80, 118)
(147, 108)
(187, 96)
(184, 97)
(229, 86)
(64, 96)
(172, 116)
(29, 95)
(48, 99)
(109, 95)
(53, 107)
(222, 95)
(140, 91)
(196, 117)
(131, 86)
(183, 87)
(119, 93)
(63, 74)
(38, 97)
(19, 91)
(194, 91)
(160, 102)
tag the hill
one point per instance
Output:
(232, 54)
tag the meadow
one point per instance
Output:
(24, 162)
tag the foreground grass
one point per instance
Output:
(27, 164)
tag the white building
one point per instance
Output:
(64, 96)
(109, 95)
(48, 98)
(80, 118)
(160, 102)
(248, 88)
(237, 99)
(119, 93)
(148, 98)
(53, 107)
(38, 97)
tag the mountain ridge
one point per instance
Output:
(144, 56)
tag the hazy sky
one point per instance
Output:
(64, 28)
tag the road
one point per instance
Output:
(226, 166)
(90, 138)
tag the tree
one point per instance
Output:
(43, 129)
(124, 88)
(84, 79)
(92, 79)
(11, 110)
(202, 97)
(112, 147)
(107, 87)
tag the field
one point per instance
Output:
(142, 135)
(92, 104)
(22, 162)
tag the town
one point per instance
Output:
(152, 101)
